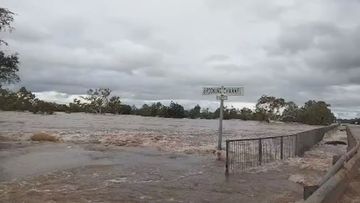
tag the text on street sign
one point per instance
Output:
(230, 91)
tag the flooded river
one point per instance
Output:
(186, 135)
(67, 172)
(91, 164)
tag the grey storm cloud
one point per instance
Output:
(322, 45)
(163, 50)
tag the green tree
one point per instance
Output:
(291, 112)
(175, 110)
(195, 112)
(125, 109)
(155, 109)
(164, 111)
(76, 106)
(135, 110)
(207, 114)
(7, 100)
(268, 107)
(145, 110)
(231, 113)
(97, 99)
(61, 107)
(25, 99)
(42, 107)
(114, 105)
(22, 100)
(316, 113)
(8, 63)
(246, 114)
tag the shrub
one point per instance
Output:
(44, 137)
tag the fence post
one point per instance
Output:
(227, 158)
(282, 148)
(296, 145)
(260, 151)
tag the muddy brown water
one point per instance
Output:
(70, 172)
(50, 172)
(166, 133)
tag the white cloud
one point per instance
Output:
(58, 97)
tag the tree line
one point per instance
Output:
(351, 121)
(100, 101)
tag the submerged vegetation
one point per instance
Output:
(43, 137)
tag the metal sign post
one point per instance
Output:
(220, 121)
(222, 94)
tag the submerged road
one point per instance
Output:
(59, 172)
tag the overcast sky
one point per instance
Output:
(167, 50)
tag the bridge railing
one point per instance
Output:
(335, 181)
(242, 154)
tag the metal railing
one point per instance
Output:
(242, 154)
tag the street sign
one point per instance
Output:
(222, 94)
(230, 91)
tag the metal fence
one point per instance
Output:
(242, 154)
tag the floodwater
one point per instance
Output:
(316, 162)
(91, 163)
(53, 172)
(185, 135)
